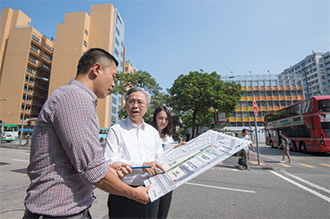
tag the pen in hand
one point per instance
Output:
(140, 167)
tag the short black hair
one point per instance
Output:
(168, 130)
(244, 130)
(92, 56)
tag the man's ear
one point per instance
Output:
(96, 69)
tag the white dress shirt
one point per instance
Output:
(134, 145)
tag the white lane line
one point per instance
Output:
(25, 161)
(301, 186)
(307, 182)
(217, 187)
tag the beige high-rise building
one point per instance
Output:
(25, 65)
(103, 28)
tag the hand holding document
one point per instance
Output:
(188, 161)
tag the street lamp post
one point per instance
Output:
(24, 108)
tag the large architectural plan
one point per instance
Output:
(188, 161)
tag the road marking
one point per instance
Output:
(301, 186)
(256, 163)
(25, 161)
(307, 182)
(306, 165)
(285, 165)
(324, 164)
(217, 187)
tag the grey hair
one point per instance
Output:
(136, 89)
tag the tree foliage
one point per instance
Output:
(139, 79)
(201, 94)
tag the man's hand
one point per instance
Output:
(154, 168)
(141, 194)
(120, 169)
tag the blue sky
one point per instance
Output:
(167, 38)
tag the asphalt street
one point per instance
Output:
(268, 190)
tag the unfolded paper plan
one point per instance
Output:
(188, 161)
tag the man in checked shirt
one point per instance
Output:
(66, 158)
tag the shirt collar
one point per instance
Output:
(131, 124)
(85, 88)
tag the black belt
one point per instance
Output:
(29, 214)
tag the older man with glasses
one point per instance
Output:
(136, 143)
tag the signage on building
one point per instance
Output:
(219, 117)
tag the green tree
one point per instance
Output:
(201, 94)
(139, 79)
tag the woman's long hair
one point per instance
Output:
(169, 128)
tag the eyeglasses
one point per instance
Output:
(133, 102)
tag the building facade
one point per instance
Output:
(25, 66)
(314, 73)
(103, 28)
(271, 93)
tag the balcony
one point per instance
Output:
(275, 97)
(281, 88)
(288, 98)
(256, 98)
(260, 119)
(243, 98)
(264, 108)
(239, 108)
(249, 88)
(277, 108)
(268, 88)
(245, 108)
(262, 88)
(271, 108)
(250, 98)
(246, 119)
(300, 97)
(232, 119)
(287, 87)
(250, 108)
(282, 98)
(262, 98)
(274, 88)
(251, 118)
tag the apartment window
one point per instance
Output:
(116, 52)
(114, 100)
(49, 48)
(117, 31)
(121, 54)
(35, 49)
(121, 64)
(86, 32)
(85, 43)
(29, 70)
(114, 110)
(45, 66)
(116, 41)
(32, 59)
(126, 68)
(35, 38)
(47, 57)
(122, 44)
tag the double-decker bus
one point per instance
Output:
(103, 134)
(306, 124)
(9, 132)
